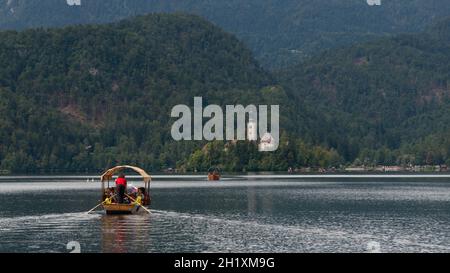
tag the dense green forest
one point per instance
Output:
(385, 102)
(85, 98)
(279, 32)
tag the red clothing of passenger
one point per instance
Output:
(121, 181)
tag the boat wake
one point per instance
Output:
(24, 222)
(229, 234)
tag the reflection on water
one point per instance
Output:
(231, 216)
(125, 233)
(257, 203)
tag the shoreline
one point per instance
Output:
(242, 176)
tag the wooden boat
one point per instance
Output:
(213, 174)
(132, 208)
(112, 209)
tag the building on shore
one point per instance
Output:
(393, 168)
(252, 130)
(267, 143)
(355, 169)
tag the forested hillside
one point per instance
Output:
(89, 97)
(279, 32)
(85, 98)
(385, 102)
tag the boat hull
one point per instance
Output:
(123, 209)
(213, 177)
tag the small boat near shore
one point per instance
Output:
(213, 174)
(133, 207)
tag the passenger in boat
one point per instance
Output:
(112, 191)
(139, 197)
(121, 185)
(109, 196)
(108, 201)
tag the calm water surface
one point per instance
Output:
(239, 214)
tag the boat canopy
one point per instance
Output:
(212, 169)
(109, 173)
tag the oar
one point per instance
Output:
(132, 199)
(99, 205)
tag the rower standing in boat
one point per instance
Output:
(121, 185)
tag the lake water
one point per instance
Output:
(238, 214)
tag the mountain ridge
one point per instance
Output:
(86, 97)
(385, 94)
(279, 32)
